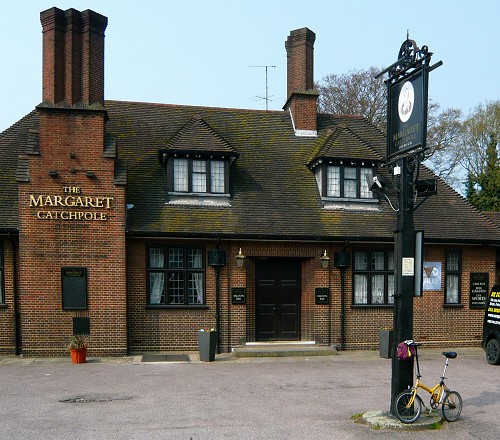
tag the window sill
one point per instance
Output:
(347, 204)
(453, 306)
(198, 199)
(197, 307)
(372, 306)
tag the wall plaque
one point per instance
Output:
(239, 295)
(74, 288)
(322, 295)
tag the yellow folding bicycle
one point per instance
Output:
(408, 404)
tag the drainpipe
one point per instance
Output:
(17, 337)
(341, 261)
(217, 259)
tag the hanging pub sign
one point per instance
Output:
(408, 113)
(407, 97)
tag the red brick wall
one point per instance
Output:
(72, 143)
(7, 334)
(173, 329)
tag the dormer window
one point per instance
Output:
(198, 160)
(198, 176)
(340, 181)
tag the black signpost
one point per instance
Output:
(407, 88)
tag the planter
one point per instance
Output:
(385, 343)
(78, 355)
(207, 343)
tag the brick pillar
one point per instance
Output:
(71, 210)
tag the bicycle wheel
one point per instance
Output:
(452, 406)
(404, 411)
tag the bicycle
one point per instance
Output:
(408, 404)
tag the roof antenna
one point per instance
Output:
(267, 96)
(407, 34)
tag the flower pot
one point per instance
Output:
(78, 355)
(207, 343)
(385, 343)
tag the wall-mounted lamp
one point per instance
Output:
(90, 174)
(53, 173)
(240, 259)
(325, 260)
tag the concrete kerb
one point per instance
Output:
(384, 420)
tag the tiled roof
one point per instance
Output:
(196, 136)
(274, 194)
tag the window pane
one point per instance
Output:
(452, 289)
(181, 175)
(390, 288)
(360, 289)
(452, 261)
(156, 287)
(176, 258)
(199, 176)
(195, 288)
(390, 260)
(378, 289)
(350, 182)
(377, 260)
(217, 176)
(361, 261)
(156, 258)
(195, 259)
(333, 183)
(176, 288)
(365, 192)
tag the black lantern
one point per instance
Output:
(240, 259)
(325, 260)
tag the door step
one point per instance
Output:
(283, 349)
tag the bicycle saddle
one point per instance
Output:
(450, 354)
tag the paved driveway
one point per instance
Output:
(263, 398)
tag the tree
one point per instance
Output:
(483, 189)
(358, 92)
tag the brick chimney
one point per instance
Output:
(302, 98)
(73, 58)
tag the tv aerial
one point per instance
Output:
(267, 94)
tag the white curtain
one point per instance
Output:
(360, 289)
(377, 289)
(156, 283)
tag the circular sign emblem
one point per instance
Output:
(406, 101)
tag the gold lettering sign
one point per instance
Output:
(48, 205)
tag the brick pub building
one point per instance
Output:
(130, 220)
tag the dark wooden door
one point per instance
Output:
(277, 299)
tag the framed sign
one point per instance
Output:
(431, 275)
(478, 290)
(239, 295)
(407, 113)
(74, 288)
(322, 295)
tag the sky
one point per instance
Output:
(204, 52)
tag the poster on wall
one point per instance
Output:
(432, 275)
(478, 290)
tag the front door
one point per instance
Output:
(277, 299)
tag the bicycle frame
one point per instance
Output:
(437, 392)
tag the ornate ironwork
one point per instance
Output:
(410, 56)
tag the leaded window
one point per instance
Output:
(453, 269)
(176, 276)
(347, 182)
(373, 281)
(198, 176)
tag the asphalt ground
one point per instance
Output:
(255, 398)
